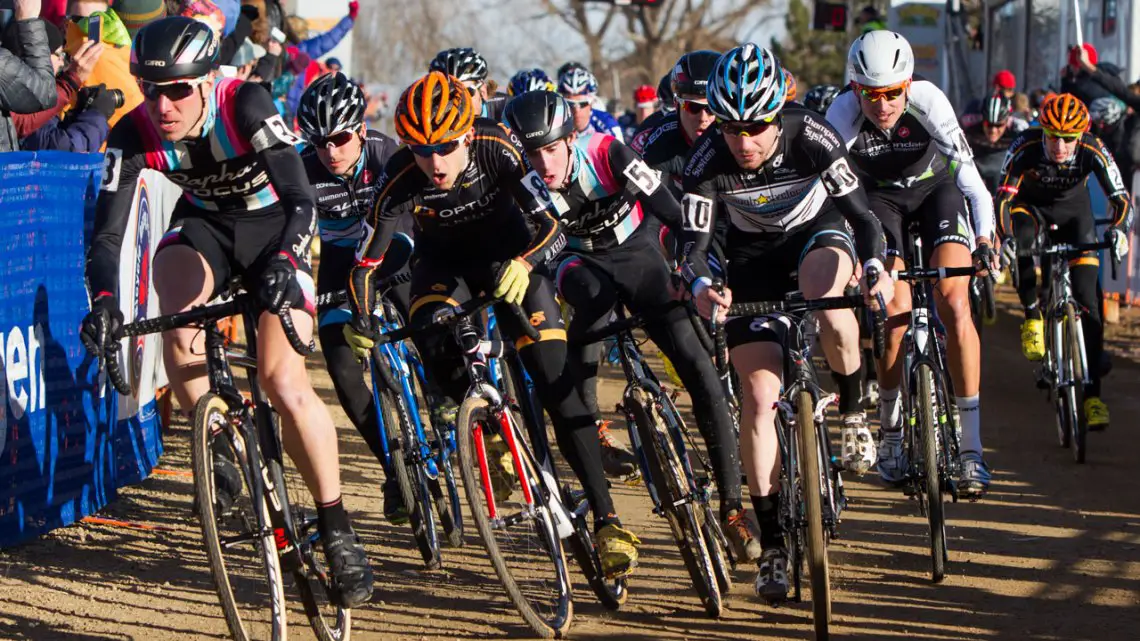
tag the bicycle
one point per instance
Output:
(270, 531)
(658, 437)
(544, 518)
(1064, 370)
(811, 486)
(417, 460)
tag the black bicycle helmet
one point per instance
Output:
(463, 63)
(665, 93)
(332, 104)
(690, 76)
(996, 109)
(820, 97)
(173, 48)
(539, 118)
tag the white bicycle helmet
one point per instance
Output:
(747, 85)
(576, 81)
(880, 59)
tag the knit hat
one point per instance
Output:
(1074, 55)
(1005, 79)
(247, 53)
(135, 14)
(207, 12)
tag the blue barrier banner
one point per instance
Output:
(63, 451)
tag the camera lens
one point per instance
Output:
(118, 95)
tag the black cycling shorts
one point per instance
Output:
(768, 270)
(1073, 217)
(936, 204)
(236, 246)
(336, 264)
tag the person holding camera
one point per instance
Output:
(25, 66)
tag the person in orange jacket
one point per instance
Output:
(113, 68)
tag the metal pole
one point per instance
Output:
(1028, 39)
(1077, 22)
(986, 26)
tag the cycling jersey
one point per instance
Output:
(343, 203)
(1031, 177)
(989, 156)
(919, 147)
(498, 209)
(791, 189)
(494, 105)
(608, 193)
(665, 148)
(242, 162)
(649, 124)
(601, 121)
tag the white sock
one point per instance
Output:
(890, 412)
(971, 418)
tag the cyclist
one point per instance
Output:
(820, 97)
(342, 161)
(529, 80)
(991, 137)
(484, 223)
(1044, 179)
(580, 88)
(782, 176)
(247, 211)
(603, 192)
(904, 139)
(471, 69)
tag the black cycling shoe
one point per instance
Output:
(350, 573)
(227, 483)
(395, 512)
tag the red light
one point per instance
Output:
(838, 16)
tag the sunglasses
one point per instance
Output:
(174, 91)
(1066, 137)
(693, 107)
(580, 104)
(875, 94)
(336, 140)
(746, 129)
(427, 151)
(474, 89)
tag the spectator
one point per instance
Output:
(84, 130)
(314, 48)
(1022, 109)
(135, 14)
(26, 81)
(68, 81)
(113, 69)
(869, 19)
(1005, 83)
(208, 13)
(238, 35)
(1088, 80)
(333, 65)
(644, 104)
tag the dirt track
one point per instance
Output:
(1052, 553)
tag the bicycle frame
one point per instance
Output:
(1061, 294)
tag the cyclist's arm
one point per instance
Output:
(122, 163)
(1107, 172)
(952, 142)
(655, 197)
(275, 144)
(698, 215)
(845, 116)
(531, 195)
(380, 225)
(607, 124)
(1012, 173)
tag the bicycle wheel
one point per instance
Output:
(668, 477)
(448, 503)
(612, 593)
(1073, 359)
(811, 476)
(790, 505)
(239, 543)
(925, 407)
(520, 539)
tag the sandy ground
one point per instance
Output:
(1052, 553)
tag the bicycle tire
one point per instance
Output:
(417, 500)
(475, 409)
(210, 412)
(810, 472)
(448, 505)
(790, 493)
(665, 470)
(1075, 394)
(932, 470)
(611, 593)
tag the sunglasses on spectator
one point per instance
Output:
(1049, 133)
(875, 94)
(174, 91)
(339, 139)
(746, 129)
(427, 151)
(693, 107)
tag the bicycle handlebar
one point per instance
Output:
(450, 315)
(1070, 251)
(341, 296)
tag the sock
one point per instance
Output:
(768, 518)
(971, 418)
(890, 411)
(850, 390)
(332, 516)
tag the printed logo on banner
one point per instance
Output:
(142, 277)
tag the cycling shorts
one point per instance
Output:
(935, 204)
(1072, 216)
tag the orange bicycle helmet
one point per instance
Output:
(1064, 114)
(790, 84)
(436, 109)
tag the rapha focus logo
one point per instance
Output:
(142, 277)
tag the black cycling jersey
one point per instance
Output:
(665, 148)
(343, 203)
(1031, 177)
(244, 161)
(649, 124)
(790, 190)
(922, 145)
(608, 194)
(989, 156)
(494, 105)
(498, 209)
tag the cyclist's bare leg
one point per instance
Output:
(759, 365)
(952, 297)
(182, 280)
(307, 429)
(826, 272)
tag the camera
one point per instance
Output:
(117, 95)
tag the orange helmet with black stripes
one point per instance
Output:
(1064, 114)
(436, 109)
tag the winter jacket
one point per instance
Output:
(84, 132)
(27, 84)
(1105, 81)
(113, 68)
(66, 88)
(315, 47)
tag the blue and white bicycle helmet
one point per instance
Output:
(576, 81)
(1106, 111)
(529, 80)
(746, 85)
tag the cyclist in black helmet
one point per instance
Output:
(471, 69)
(247, 211)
